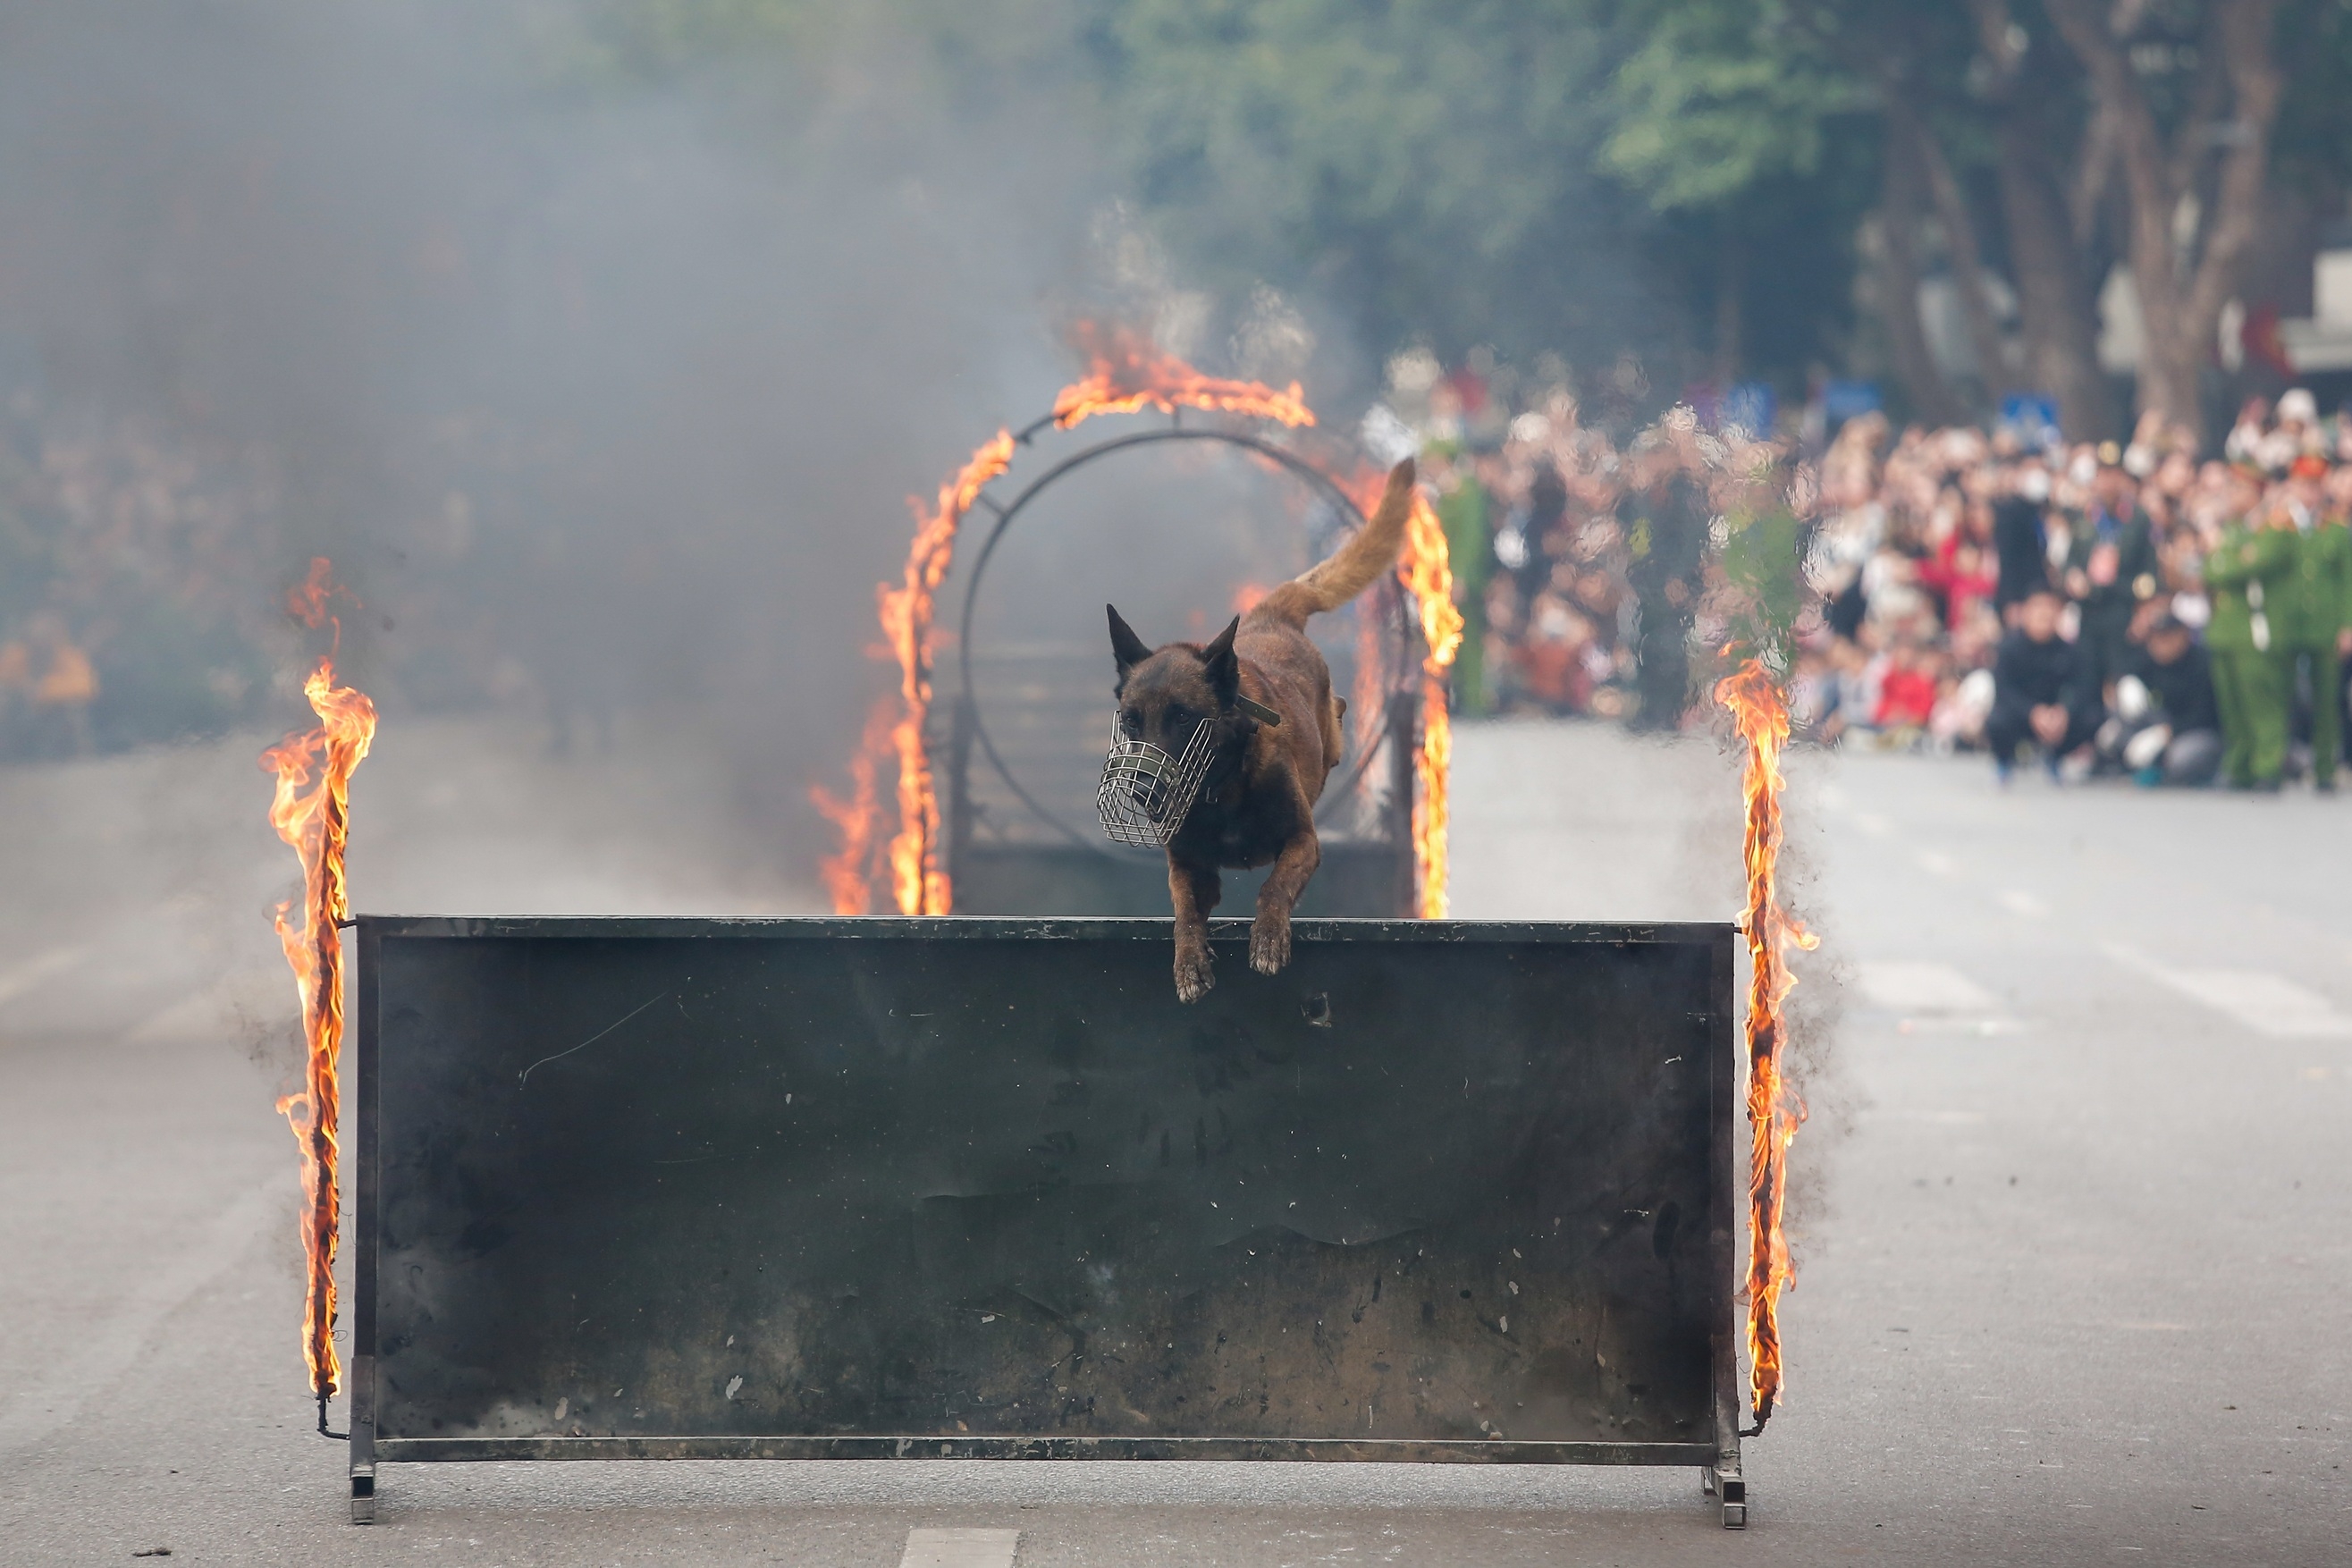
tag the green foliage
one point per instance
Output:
(1429, 163)
(1718, 96)
(2312, 143)
(622, 40)
(1540, 174)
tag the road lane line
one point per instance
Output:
(26, 976)
(960, 1549)
(105, 1353)
(2267, 1004)
(1922, 988)
(2018, 902)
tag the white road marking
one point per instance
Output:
(105, 1353)
(1984, 1028)
(2267, 1004)
(960, 1549)
(1922, 988)
(1873, 823)
(201, 1015)
(1937, 863)
(2018, 902)
(26, 976)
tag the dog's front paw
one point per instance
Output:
(1269, 944)
(1194, 974)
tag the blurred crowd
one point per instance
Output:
(2127, 609)
(129, 567)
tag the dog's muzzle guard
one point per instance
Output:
(1146, 794)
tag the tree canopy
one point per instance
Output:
(1712, 183)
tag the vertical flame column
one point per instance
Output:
(310, 811)
(1428, 574)
(1774, 1112)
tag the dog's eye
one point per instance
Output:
(1177, 717)
(1130, 726)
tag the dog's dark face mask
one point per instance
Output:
(1163, 696)
(1172, 708)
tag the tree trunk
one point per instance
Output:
(1932, 399)
(2180, 314)
(1730, 300)
(2049, 219)
(1960, 234)
(2057, 312)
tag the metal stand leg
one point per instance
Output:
(363, 1433)
(1723, 1480)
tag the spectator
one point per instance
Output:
(2224, 584)
(2021, 549)
(2245, 564)
(1462, 508)
(1906, 691)
(1668, 539)
(2045, 689)
(2309, 619)
(2168, 725)
(2111, 567)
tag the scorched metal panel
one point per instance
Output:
(983, 1187)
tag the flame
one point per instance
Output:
(1126, 373)
(1246, 596)
(848, 873)
(1774, 1111)
(307, 601)
(917, 880)
(1428, 575)
(311, 813)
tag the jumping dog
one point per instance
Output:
(1274, 739)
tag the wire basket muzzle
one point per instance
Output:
(1146, 794)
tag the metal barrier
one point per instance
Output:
(982, 1188)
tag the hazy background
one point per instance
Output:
(600, 341)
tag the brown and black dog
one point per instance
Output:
(1257, 802)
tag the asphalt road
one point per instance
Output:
(2072, 1217)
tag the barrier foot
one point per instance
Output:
(363, 1496)
(1723, 1481)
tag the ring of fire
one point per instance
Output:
(1125, 374)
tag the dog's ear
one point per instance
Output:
(1124, 646)
(1223, 670)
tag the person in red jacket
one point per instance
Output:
(1906, 692)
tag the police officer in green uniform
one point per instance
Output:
(2308, 610)
(1462, 508)
(2238, 576)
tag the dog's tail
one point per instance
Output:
(1331, 582)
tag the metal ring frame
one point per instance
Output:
(1315, 478)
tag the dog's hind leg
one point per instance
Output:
(1270, 932)
(1194, 891)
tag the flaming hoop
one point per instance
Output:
(1774, 1111)
(313, 818)
(1125, 374)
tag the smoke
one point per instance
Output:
(603, 385)
(1820, 1074)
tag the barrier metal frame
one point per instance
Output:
(1715, 1454)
